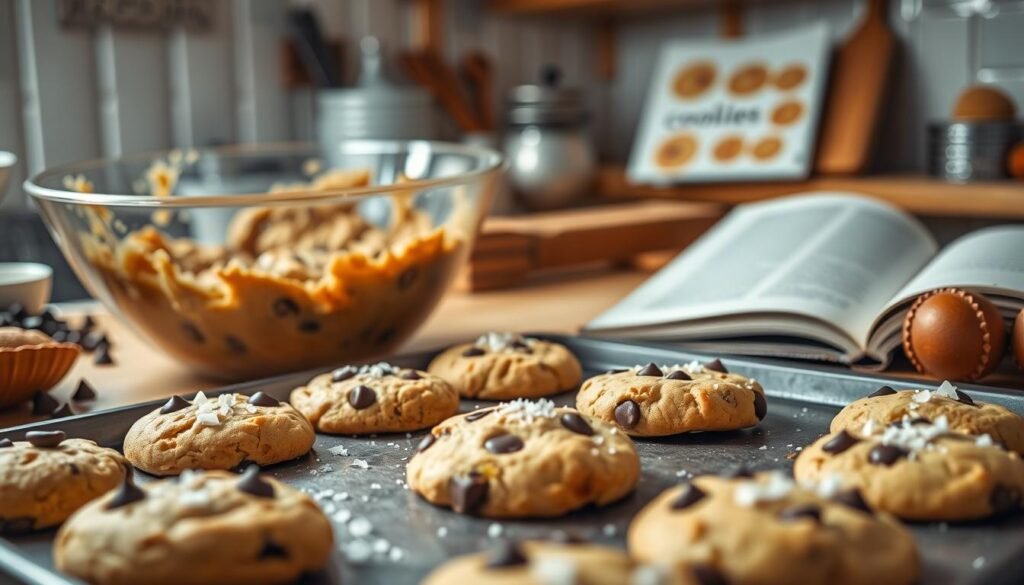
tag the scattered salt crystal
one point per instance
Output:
(502, 341)
(208, 419)
(195, 499)
(342, 516)
(442, 531)
(340, 497)
(527, 410)
(359, 527)
(396, 554)
(381, 546)
(360, 463)
(829, 486)
(922, 396)
(748, 493)
(681, 473)
(984, 441)
(250, 408)
(978, 563)
(609, 530)
(869, 428)
(200, 399)
(495, 530)
(553, 571)
(946, 390)
(375, 486)
(763, 448)
(358, 551)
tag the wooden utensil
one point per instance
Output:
(510, 249)
(430, 71)
(476, 67)
(860, 73)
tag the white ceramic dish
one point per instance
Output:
(26, 283)
(7, 161)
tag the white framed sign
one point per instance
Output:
(733, 110)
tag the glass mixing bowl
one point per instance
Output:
(244, 262)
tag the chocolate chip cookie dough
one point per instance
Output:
(378, 398)
(919, 470)
(217, 433)
(502, 366)
(48, 476)
(962, 412)
(767, 530)
(652, 400)
(212, 528)
(523, 459)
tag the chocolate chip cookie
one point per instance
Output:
(545, 563)
(378, 398)
(962, 412)
(652, 400)
(213, 528)
(919, 470)
(766, 530)
(217, 433)
(503, 366)
(522, 459)
(48, 476)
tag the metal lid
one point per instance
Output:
(546, 103)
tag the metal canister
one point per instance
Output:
(970, 151)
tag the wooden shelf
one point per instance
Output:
(597, 7)
(919, 195)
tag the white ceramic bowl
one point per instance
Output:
(7, 161)
(25, 283)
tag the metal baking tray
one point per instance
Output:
(803, 399)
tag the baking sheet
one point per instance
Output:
(802, 401)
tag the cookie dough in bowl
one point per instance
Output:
(503, 366)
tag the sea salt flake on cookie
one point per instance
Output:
(554, 571)
(946, 390)
(749, 493)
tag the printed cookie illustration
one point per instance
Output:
(45, 478)
(694, 80)
(728, 148)
(379, 398)
(790, 77)
(523, 459)
(502, 366)
(767, 530)
(212, 528)
(767, 148)
(748, 80)
(676, 151)
(963, 413)
(652, 401)
(919, 470)
(221, 433)
(787, 113)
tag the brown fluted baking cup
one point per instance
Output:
(30, 368)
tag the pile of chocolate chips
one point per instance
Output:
(86, 336)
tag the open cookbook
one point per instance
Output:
(826, 276)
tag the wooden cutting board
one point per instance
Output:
(511, 249)
(860, 73)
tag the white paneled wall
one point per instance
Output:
(74, 94)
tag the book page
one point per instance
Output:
(833, 257)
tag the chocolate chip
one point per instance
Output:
(193, 332)
(285, 307)
(964, 397)
(576, 423)
(678, 375)
(16, 526)
(708, 575)
(690, 495)
(426, 442)
(839, 443)
(362, 397)
(506, 554)
(618, 371)
(478, 414)
(5, 443)
(1004, 499)
(84, 391)
(261, 399)
(468, 492)
(74, 469)
(410, 375)
(127, 493)
(502, 444)
(886, 455)
(473, 352)
(852, 499)
(63, 411)
(716, 365)
(740, 472)
(235, 344)
(651, 370)
(272, 550)
(342, 374)
(760, 406)
(520, 346)
(627, 414)
(883, 391)
(309, 326)
(793, 513)
(45, 439)
(103, 356)
(407, 277)
(174, 404)
(43, 403)
(252, 484)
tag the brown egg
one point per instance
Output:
(952, 334)
(1018, 339)
(981, 103)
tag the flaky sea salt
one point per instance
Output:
(359, 527)
(338, 450)
(342, 516)
(749, 493)
(496, 341)
(609, 530)
(208, 419)
(442, 531)
(553, 571)
(914, 436)
(984, 441)
(495, 530)
(527, 410)
(978, 563)
(869, 428)
(946, 390)
(358, 551)
(922, 396)
(360, 463)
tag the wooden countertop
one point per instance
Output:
(141, 373)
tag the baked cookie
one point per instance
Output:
(694, 80)
(379, 398)
(766, 530)
(217, 433)
(213, 528)
(653, 401)
(502, 366)
(963, 414)
(767, 148)
(728, 148)
(919, 470)
(522, 459)
(47, 477)
(787, 112)
(748, 79)
(675, 151)
(790, 77)
(544, 563)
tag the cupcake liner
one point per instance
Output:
(30, 368)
